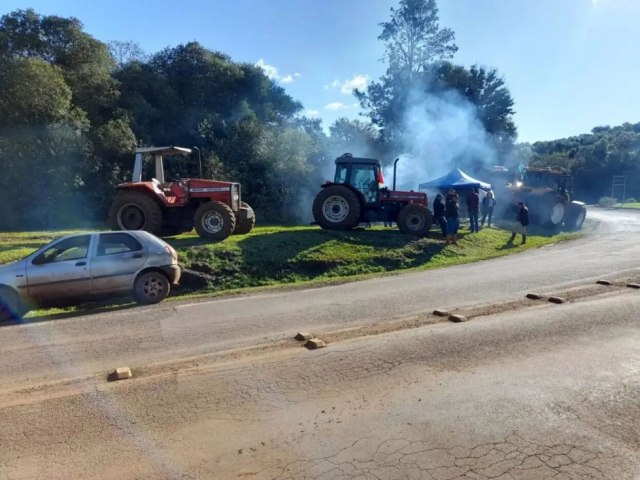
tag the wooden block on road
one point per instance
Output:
(457, 318)
(120, 373)
(557, 300)
(303, 336)
(441, 313)
(603, 282)
(314, 343)
(534, 296)
(633, 285)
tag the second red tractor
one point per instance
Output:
(214, 208)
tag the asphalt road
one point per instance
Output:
(89, 345)
(221, 391)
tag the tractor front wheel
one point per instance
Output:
(415, 219)
(336, 208)
(214, 220)
(245, 221)
(135, 211)
(576, 214)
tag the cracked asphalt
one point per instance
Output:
(540, 391)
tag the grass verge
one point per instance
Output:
(291, 256)
(627, 205)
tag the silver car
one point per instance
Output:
(86, 266)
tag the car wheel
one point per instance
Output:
(151, 287)
(9, 305)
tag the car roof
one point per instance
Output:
(139, 234)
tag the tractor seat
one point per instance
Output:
(156, 186)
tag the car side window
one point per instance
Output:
(112, 243)
(74, 248)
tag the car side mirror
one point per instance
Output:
(39, 260)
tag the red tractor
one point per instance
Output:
(355, 196)
(214, 208)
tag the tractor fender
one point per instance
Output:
(146, 188)
(350, 187)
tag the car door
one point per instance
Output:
(61, 271)
(118, 258)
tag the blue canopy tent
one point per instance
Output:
(456, 178)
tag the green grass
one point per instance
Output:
(279, 256)
(627, 205)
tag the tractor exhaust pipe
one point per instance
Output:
(395, 165)
(199, 161)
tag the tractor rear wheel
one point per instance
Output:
(135, 211)
(336, 208)
(415, 219)
(214, 220)
(244, 224)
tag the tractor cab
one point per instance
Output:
(172, 193)
(362, 174)
(545, 177)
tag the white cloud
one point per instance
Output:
(336, 106)
(269, 70)
(358, 81)
(348, 86)
(272, 72)
(312, 113)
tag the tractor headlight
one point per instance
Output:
(235, 197)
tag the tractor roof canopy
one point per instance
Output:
(165, 151)
(348, 158)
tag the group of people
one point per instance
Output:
(447, 214)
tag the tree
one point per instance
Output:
(413, 38)
(354, 136)
(422, 92)
(125, 52)
(85, 62)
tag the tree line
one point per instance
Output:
(73, 109)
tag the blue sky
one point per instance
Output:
(570, 64)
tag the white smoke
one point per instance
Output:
(439, 131)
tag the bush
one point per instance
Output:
(607, 201)
(630, 200)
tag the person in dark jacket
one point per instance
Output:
(521, 223)
(452, 210)
(473, 207)
(438, 213)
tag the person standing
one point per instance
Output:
(488, 204)
(438, 213)
(473, 205)
(521, 223)
(452, 209)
